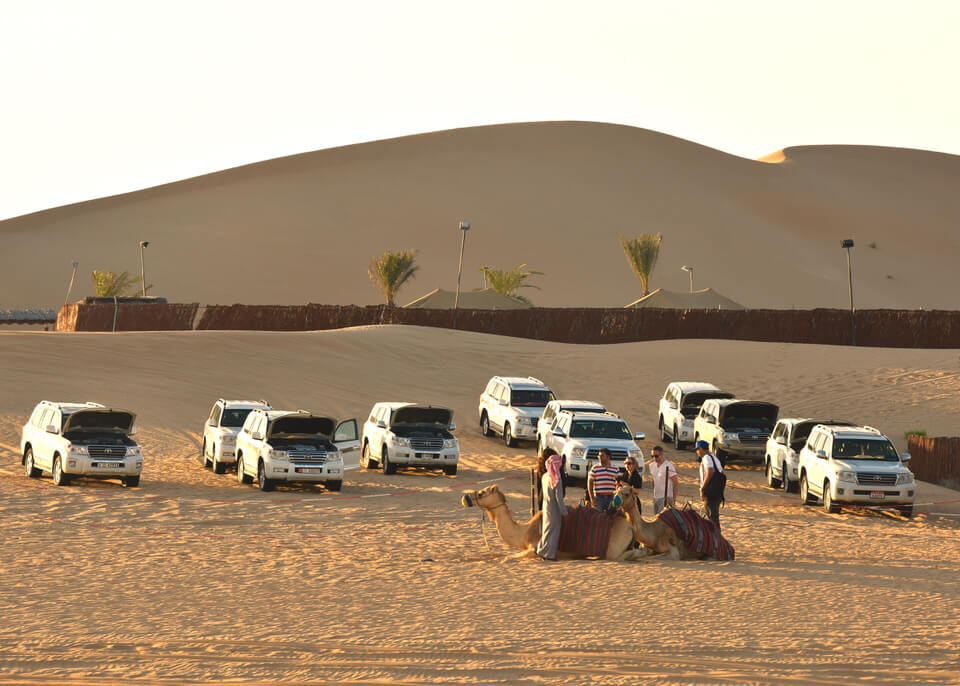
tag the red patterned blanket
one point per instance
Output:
(585, 531)
(698, 533)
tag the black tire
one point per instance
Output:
(218, 467)
(263, 482)
(828, 504)
(334, 485)
(203, 455)
(677, 443)
(60, 478)
(772, 481)
(450, 470)
(485, 425)
(388, 466)
(28, 465)
(131, 481)
(806, 497)
(242, 477)
(365, 456)
(788, 485)
(906, 510)
(508, 439)
(663, 431)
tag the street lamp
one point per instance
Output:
(464, 227)
(143, 277)
(72, 279)
(847, 243)
(688, 268)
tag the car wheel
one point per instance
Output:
(806, 497)
(772, 481)
(788, 485)
(828, 504)
(663, 431)
(677, 443)
(131, 481)
(334, 485)
(906, 511)
(242, 476)
(485, 425)
(263, 482)
(365, 457)
(218, 467)
(31, 471)
(388, 466)
(450, 470)
(60, 478)
(508, 439)
(203, 455)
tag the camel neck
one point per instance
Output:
(508, 529)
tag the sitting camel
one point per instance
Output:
(526, 536)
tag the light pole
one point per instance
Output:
(143, 276)
(848, 243)
(72, 279)
(689, 269)
(464, 227)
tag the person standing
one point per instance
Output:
(602, 482)
(712, 482)
(666, 482)
(551, 485)
(632, 473)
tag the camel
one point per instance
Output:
(526, 536)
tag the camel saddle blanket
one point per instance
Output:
(698, 533)
(585, 531)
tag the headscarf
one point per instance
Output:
(553, 469)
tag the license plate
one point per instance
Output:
(876, 495)
(310, 470)
(108, 465)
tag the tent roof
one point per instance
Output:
(487, 299)
(706, 299)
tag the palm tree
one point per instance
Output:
(509, 282)
(642, 253)
(107, 284)
(390, 270)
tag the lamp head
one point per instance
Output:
(846, 243)
(464, 226)
(74, 264)
(144, 244)
(687, 268)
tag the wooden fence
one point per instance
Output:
(936, 460)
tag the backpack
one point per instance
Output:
(718, 482)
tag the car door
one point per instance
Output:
(347, 438)
(48, 442)
(495, 413)
(670, 402)
(546, 419)
(818, 465)
(210, 430)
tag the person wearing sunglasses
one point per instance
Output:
(632, 473)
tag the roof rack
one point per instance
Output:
(536, 380)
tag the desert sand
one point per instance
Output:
(551, 194)
(192, 578)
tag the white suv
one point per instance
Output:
(679, 406)
(221, 429)
(397, 434)
(737, 428)
(80, 439)
(550, 413)
(285, 445)
(513, 405)
(578, 437)
(854, 465)
(782, 461)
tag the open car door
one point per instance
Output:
(347, 438)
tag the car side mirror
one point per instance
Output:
(904, 457)
(211, 422)
(133, 431)
(558, 433)
(381, 424)
(503, 402)
(257, 436)
(673, 404)
(51, 429)
(781, 440)
(453, 427)
(711, 419)
(822, 454)
(639, 436)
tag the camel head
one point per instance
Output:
(623, 497)
(488, 498)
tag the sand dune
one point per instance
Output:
(193, 578)
(553, 195)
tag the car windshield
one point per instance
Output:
(864, 449)
(519, 398)
(589, 428)
(234, 419)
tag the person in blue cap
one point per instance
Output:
(712, 482)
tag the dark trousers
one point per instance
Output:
(713, 512)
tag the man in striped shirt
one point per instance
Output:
(602, 482)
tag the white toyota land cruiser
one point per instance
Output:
(512, 405)
(679, 406)
(293, 445)
(219, 446)
(738, 428)
(578, 437)
(782, 461)
(80, 439)
(408, 434)
(854, 465)
(550, 413)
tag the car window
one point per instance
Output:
(548, 413)
(590, 428)
(37, 416)
(217, 411)
(347, 431)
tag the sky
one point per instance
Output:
(104, 97)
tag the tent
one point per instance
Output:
(707, 299)
(487, 299)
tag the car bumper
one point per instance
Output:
(744, 449)
(424, 458)
(226, 453)
(91, 466)
(328, 471)
(685, 432)
(526, 432)
(857, 494)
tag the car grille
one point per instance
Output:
(754, 438)
(858, 491)
(107, 452)
(532, 421)
(594, 454)
(426, 443)
(871, 479)
(309, 457)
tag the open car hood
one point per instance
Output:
(746, 409)
(698, 398)
(100, 419)
(440, 416)
(302, 425)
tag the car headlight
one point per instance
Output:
(278, 454)
(578, 452)
(849, 477)
(904, 478)
(634, 453)
(450, 443)
(135, 450)
(400, 440)
(729, 437)
(79, 450)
